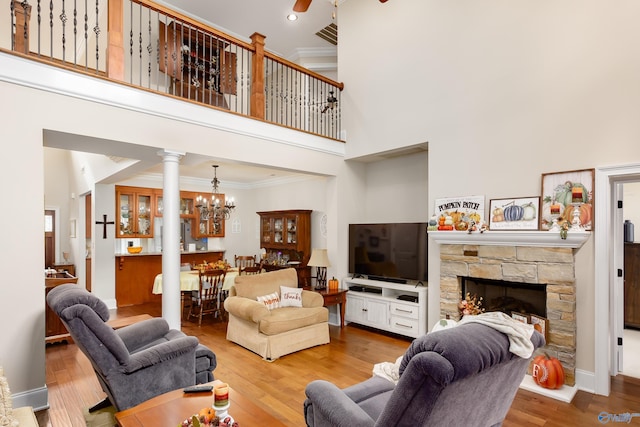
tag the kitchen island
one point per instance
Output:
(135, 274)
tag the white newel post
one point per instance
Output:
(170, 238)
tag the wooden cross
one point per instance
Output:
(104, 224)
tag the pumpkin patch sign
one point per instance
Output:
(459, 213)
(514, 214)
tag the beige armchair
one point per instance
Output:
(272, 333)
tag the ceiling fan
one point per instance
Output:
(303, 5)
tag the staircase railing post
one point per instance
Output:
(22, 12)
(257, 76)
(115, 43)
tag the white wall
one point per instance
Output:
(503, 92)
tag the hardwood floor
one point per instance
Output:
(278, 387)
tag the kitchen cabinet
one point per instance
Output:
(135, 274)
(632, 285)
(199, 64)
(187, 204)
(134, 208)
(206, 227)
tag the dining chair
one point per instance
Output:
(244, 261)
(252, 269)
(207, 300)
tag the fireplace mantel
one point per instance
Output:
(575, 239)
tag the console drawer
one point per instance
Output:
(404, 310)
(404, 326)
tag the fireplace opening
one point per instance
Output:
(508, 297)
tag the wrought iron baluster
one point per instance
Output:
(86, 35)
(140, 43)
(131, 42)
(96, 30)
(149, 50)
(51, 28)
(39, 22)
(75, 33)
(63, 19)
(13, 36)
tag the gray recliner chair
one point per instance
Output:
(459, 376)
(136, 362)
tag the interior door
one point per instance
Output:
(49, 238)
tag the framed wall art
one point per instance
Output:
(461, 211)
(568, 195)
(520, 317)
(540, 324)
(514, 214)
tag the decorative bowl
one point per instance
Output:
(134, 249)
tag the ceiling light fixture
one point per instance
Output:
(213, 209)
(292, 17)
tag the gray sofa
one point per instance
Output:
(136, 362)
(459, 376)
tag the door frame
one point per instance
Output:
(608, 245)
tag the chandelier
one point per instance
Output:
(213, 209)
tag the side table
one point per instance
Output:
(335, 297)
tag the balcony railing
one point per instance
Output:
(147, 45)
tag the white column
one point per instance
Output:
(171, 238)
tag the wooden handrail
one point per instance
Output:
(303, 70)
(183, 18)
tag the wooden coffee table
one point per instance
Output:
(171, 408)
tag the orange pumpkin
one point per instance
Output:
(333, 284)
(547, 372)
(207, 414)
(585, 213)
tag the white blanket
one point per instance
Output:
(388, 370)
(519, 333)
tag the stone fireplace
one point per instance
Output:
(537, 259)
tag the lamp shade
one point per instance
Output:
(319, 258)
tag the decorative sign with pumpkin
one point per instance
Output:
(565, 192)
(514, 214)
(458, 214)
(547, 371)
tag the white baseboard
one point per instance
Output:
(111, 304)
(37, 398)
(586, 381)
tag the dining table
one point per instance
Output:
(189, 281)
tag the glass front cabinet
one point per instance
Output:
(135, 209)
(206, 226)
(287, 231)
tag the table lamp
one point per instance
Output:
(320, 261)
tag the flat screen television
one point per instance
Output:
(394, 252)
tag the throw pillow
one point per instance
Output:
(271, 300)
(6, 409)
(290, 297)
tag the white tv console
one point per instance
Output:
(376, 304)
